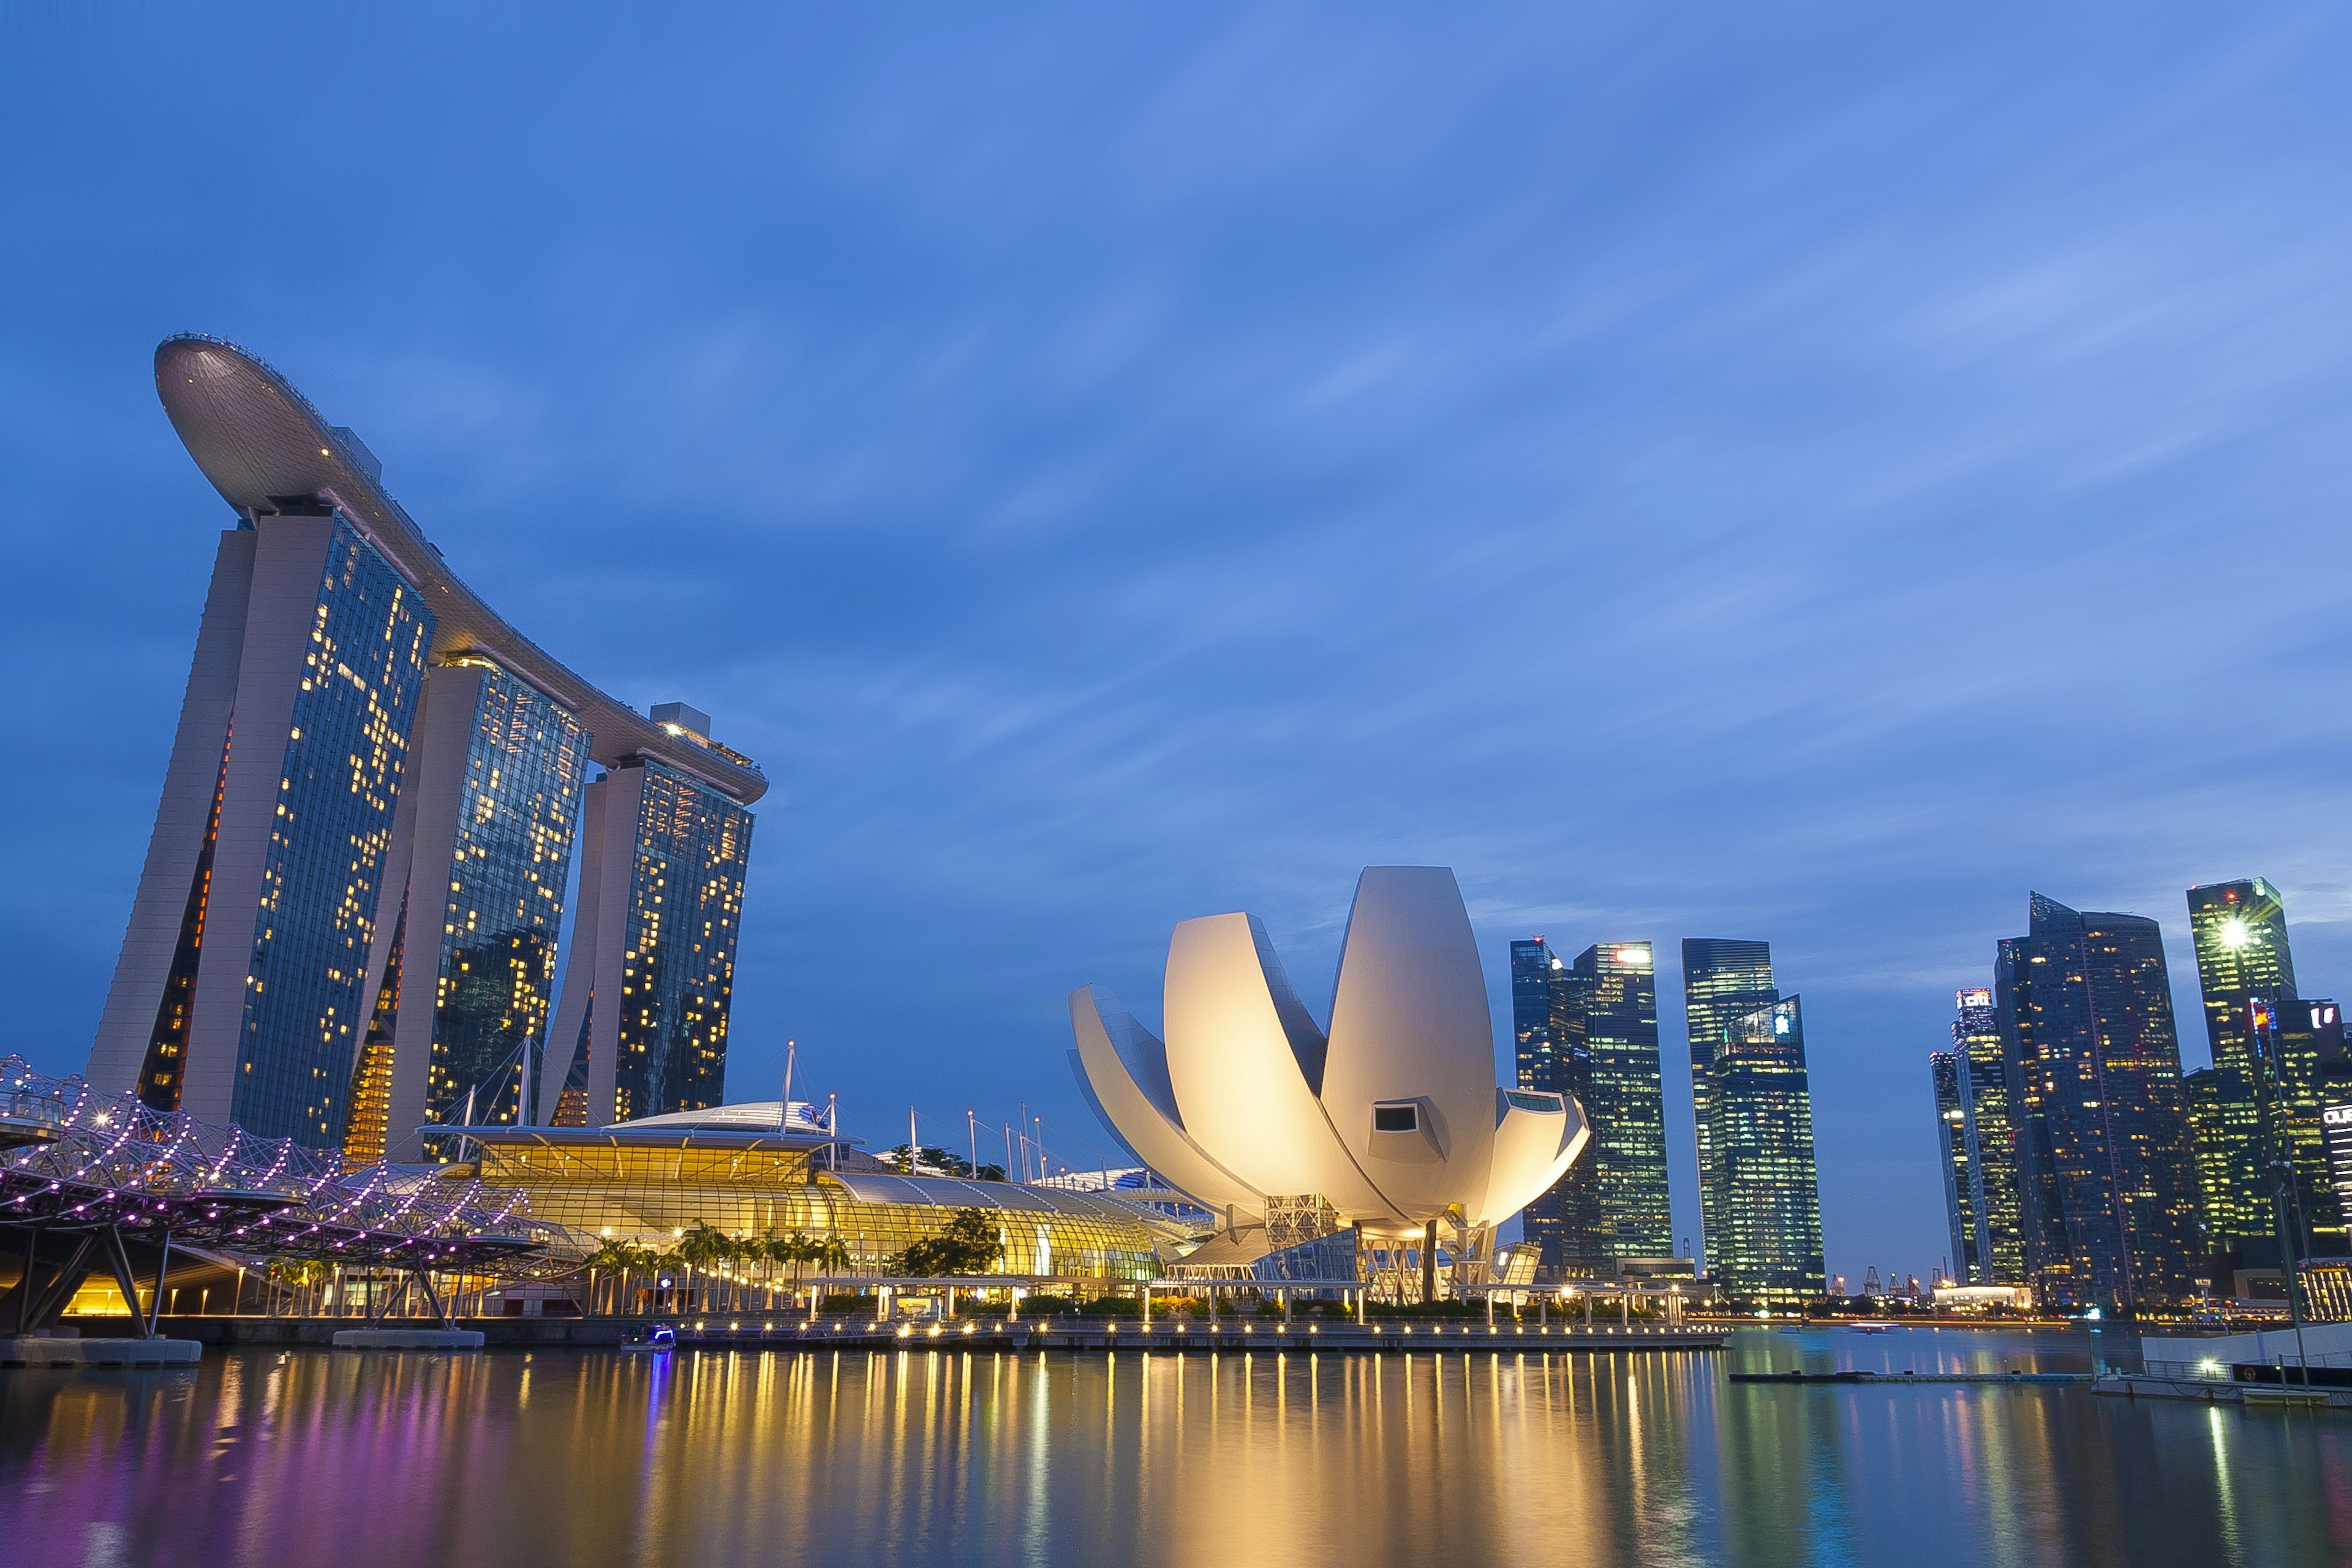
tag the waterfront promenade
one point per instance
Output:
(1066, 1333)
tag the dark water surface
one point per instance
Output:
(302, 1458)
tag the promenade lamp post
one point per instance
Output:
(2286, 1192)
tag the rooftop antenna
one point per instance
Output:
(833, 1131)
(465, 1119)
(784, 1110)
(910, 1141)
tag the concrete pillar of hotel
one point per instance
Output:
(289, 559)
(572, 995)
(127, 1027)
(398, 857)
(599, 939)
(623, 806)
(436, 782)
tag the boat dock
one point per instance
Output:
(1905, 1379)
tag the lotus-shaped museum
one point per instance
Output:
(1391, 1119)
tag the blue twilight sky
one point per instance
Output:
(1812, 473)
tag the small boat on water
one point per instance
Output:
(654, 1338)
(1872, 1328)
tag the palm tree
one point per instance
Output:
(613, 1258)
(705, 1247)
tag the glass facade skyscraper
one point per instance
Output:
(642, 1027)
(2239, 929)
(504, 915)
(2299, 1064)
(265, 866)
(2201, 1099)
(1536, 1042)
(348, 917)
(1547, 1018)
(1592, 1030)
(1952, 1154)
(346, 748)
(1723, 978)
(479, 863)
(2108, 1183)
(1991, 1138)
(1762, 1107)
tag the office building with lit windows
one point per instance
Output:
(2299, 1064)
(1723, 978)
(347, 924)
(1592, 1026)
(1963, 1263)
(1762, 1106)
(2107, 1180)
(642, 1028)
(2239, 929)
(1547, 1008)
(1990, 1132)
(2336, 1140)
(486, 843)
(2200, 1093)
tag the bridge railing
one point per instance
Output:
(115, 1162)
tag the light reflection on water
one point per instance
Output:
(294, 1458)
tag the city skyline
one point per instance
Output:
(1104, 485)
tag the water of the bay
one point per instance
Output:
(300, 1457)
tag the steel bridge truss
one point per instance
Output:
(95, 1172)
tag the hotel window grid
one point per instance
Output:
(503, 916)
(344, 755)
(686, 905)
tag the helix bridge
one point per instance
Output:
(84, 1176)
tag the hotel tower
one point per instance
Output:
(348, 924)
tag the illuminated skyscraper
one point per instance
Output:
(1722, 979)
(239, 995)
(1952, 1153)
(1624, 1096)
(2240, 932)
(480, 857)
(1597, 1031)
(2107, 1175)
(1548, 1020)
(1991, 1133)
(348, 919)
(1762, 1110)
(642, 1026)
(1536, 1033)
(2299, 1064)
(2202, 1100)
(2335, 1133)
